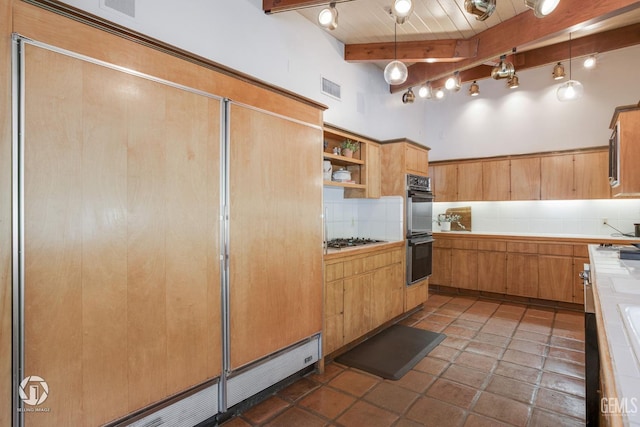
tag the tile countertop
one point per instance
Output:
(617, 286)
(580, 237)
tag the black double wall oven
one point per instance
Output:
(419, 206)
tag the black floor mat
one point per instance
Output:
(393, 352)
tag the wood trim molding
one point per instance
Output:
(120, 31)
(519, 156)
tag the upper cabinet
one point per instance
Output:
(624, 151)
(550, 176)
(363, 164)
(401, 157)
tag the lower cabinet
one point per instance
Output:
(545, 269)
(362, 292)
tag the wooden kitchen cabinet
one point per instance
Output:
(627, 122)
(492, 266)
(556, 177)
(399, 158)
(525, 178)
(416, 294)
(364, 166)
(590, 172)
(496, 180)
(469, 181)
(522, 269)
(555, 272)
(441, 274)
(362, 292)
(464, 264)
(444, 182)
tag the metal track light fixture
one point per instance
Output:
(504, 70)
(571, 89)
(425, 91)
(408, 97)
(453, 82)
(395, 73)
(474, 89)
(558, 71)
(481, 8)
(328, 17)
(513, 82)
(401, 10)
(542, 8)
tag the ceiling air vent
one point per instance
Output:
(127, 7)
(331, 89)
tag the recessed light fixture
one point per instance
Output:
(474, 89)
(542, 8)
(558, 71)
(590, 62)
(402, 9)
(328, 17)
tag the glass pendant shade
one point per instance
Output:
(395, 73)
(570, 90)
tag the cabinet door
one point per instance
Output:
(441, 274)
(334, 316)
(629, 153)
(357, 306)
(372, 171)
(555, 278)
(470, 181)
(591, 171)
(496, 183)
(387, 298)
(556, 177)
(522, 274)
(271, 304)
(416, 160)
(492, 272)
(444, 180)
(464, 268)
(525, 179)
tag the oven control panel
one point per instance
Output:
(419, 183)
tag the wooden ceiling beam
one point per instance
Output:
(412, 51)
(521, 30)
(596, 43)
(274, 6)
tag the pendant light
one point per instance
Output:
(395, 73)
(572, 89)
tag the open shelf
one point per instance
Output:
(341, 160)
(344, 184)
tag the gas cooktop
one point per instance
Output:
(350, 242)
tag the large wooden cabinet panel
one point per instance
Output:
(416, 160)
(121, 235)
(357, 306)
(441, 274)
(590, 175)
(522, 274)
(464, 264)
(444, 182)
(399, 158)
(492, 266)
(272, 304)
(556, 280)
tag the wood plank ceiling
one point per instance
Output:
(440, 37)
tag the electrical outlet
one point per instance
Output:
(605, 221)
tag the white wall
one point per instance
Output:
(282, 49)
(530, 118)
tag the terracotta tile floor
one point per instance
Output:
(502, 364)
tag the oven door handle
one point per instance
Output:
(416, 241)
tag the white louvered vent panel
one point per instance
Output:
(127, 7)
(331, 89)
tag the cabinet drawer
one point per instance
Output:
(522, 247)
(354, 267)
(465, 244)
(492, 245)
(333, 272)
(555, 249)
(581, 251)
(442, 243)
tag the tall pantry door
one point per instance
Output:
(121, 184)
(275, 233)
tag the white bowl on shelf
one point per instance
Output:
(342, 175)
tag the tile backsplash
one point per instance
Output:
(371, 218)
(581, 217)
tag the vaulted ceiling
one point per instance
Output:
(440, 37)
